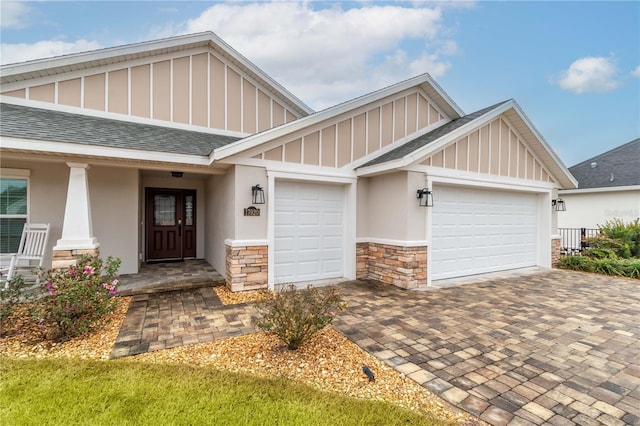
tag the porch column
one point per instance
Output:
(77, 231)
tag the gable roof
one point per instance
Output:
(617, 167)
(424, 145)
(427, 138)
(25, 122)
(424, 81)
(80, 61)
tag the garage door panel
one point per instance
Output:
(310, 247)
(476, 231)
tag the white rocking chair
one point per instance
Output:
(30, 255)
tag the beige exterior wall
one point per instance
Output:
(220, 223)
(249, 227)
(114, 213)
(197, 88)
(588, 210)
(494, 149)
(114, 203)
(388, 208)
(47, 193)
(355, 134)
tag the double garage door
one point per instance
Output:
(308, 234)
(476, 231)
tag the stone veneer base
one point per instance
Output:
(404, 267)
(246, 267)
(555, 251)
(64, 258)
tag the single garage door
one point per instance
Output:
(308, 231)
(476, 231)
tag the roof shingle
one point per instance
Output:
(421, 141)
(617, 167)
(42, 124)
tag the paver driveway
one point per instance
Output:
(556, 347)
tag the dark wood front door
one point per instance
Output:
(171, 223)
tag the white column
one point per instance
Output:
(77, 231)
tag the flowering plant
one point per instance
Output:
(77, 298)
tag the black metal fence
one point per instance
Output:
(574, 240)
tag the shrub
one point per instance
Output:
(626, 234)
(78, 297)
(607, 266)
(296, 315)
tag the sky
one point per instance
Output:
(574, 67)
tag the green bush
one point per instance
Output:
(296, 315)
(607, 266)
(627, 235)
(77, 298)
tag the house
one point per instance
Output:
(164, 150)
(608, 188)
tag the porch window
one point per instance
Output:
(13, 210)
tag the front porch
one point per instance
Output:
(170, 276)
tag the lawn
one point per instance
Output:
(72, 391)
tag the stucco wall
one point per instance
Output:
(220, 223)
(249, 227)
(588, 210)
(392, 207)
(114, 207)
(47, 194)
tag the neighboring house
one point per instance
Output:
(608, 188)
(153, 151)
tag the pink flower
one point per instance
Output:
(88, 270)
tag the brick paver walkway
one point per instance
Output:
(168, 319)
(555, 348)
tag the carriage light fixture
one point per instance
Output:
(425, 197)
(559, 205)
(257, 194)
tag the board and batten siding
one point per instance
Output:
(353, 135)
(495, 149)
(198, 89)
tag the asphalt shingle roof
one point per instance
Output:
(617, 167)
(42, 124)
(427, 138)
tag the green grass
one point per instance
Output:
(77, 392)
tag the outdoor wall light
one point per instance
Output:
(425, 197)
(257, 194)
(559, 205)
(177, 174)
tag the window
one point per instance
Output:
(14, 208)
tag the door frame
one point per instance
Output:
(187, 233)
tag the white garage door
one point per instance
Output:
(476, 231)
(308, 232)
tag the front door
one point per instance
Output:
(171, 223)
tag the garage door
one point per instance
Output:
(308, 232)
(476, 231)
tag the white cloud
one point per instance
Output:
(13, 14)
(12, 53)
(332, 54)
(590, 74)
(636, 72)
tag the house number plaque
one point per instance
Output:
(252, 211)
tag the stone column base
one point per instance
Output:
(246, 267)
(404, 267)
(555, 251)
(63, 259)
